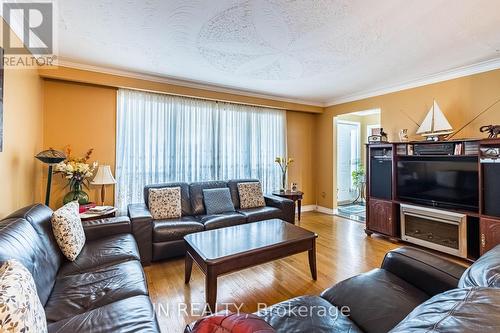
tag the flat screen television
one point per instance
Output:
(447, 182)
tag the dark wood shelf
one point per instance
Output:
(459, 211)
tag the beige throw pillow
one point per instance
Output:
(20, 307)
(68, 230)
(165, 203)
(251, 195)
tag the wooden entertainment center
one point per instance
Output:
(472, 164)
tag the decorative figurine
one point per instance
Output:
(493, 130)
(379, 136)
(403, 135)
(435, 126)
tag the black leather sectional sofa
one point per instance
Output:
(414, 291)
(162, 239)
(104, 290)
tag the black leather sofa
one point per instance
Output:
(413, 291)
(103, 290)
(162, 239)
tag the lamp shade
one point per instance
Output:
(104, 176)
(51, 156)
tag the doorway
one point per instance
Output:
(353, 130)
(348, 157)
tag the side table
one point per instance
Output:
(296, 196)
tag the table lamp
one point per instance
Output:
(103, 177)
(50, 157)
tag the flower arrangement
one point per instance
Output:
(78, 172)
(283, 163)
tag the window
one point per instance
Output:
(163, 138)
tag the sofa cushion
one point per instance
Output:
(222, 220)
(20, 307)
(485, 272)
(130, 315)
(68, 229)
(457, 310)
(378, 300)
(251, 195)
(103, 251)
(217, 201)
(80, 293)
(20, 241)
(175, 229)
(261, 213)
(307, 314)
(165, 203)
(39, 216)
(196, 194)
(185, 201)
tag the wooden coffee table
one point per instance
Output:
(225, 250)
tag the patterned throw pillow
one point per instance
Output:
(251, 195)
(165, 203)
(68, 230)
(218, 200)
(20, 307)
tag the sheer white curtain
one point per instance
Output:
(163, 138)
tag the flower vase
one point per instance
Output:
(77, 194)
(283, 182)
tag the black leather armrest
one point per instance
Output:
(426, 271)
(142, 229)
(286, 206)
(96, 229)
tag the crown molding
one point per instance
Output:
(480, 67)
(178, 82)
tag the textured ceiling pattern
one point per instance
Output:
(312, 50)
(274, 40)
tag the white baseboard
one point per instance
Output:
(324, 210)
(306, 208)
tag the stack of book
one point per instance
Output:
(100, 210)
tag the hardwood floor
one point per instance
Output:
(343, 250)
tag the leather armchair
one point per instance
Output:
(142, 229)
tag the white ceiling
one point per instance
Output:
(317, 51)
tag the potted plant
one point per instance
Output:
(283, 163)
(358, 180)
(78, 172)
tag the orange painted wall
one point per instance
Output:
(460, 99)
(301, 147)
(20, 172)
(82, 116)
(23, 120)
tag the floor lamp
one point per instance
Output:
(50, 157)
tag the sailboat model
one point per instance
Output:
(435, 125)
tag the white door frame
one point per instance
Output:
(346, 122)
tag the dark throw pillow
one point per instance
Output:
(217, 201)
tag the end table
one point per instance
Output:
(296, 196)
